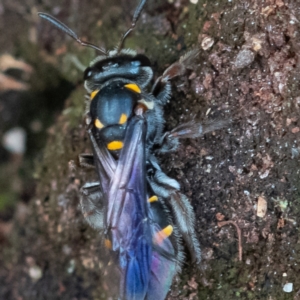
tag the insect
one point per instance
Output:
(140, 211)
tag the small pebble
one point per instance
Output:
(207, 43)
(288, 287)
(14, 140)
(244, 58)
(35, 273)
(262, 206)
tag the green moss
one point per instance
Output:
(7, 199)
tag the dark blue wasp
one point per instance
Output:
(135, 205)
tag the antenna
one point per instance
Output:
(135, 18)
(64, 28)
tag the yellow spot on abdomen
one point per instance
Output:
(107, 244)
(133, 87)
(152, 199)
(160, 236)
(123, 119)
(98, 124)
(93, 94)
(115, 145)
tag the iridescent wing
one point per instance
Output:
(123, 185)
(144, 257)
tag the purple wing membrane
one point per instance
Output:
(163, 268)
(127, 222)
(127, 214)
(144, 273)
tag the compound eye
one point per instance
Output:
(136, 63)
(88, 73)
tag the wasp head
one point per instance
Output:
(126, 65)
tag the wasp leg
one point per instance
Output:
(185, 220)
(182, 211)
(192, 129)
(92, 205)
(86, 160)
(161, 88)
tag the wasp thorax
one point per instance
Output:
(110, 109)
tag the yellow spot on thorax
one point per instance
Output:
(123, 119)
(98, 124)
(134, 87)
(160, 236)
(108, 244)
(115, 145)
(93, 94)
(147, 104)
(152, 199)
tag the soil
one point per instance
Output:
(242, 180)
